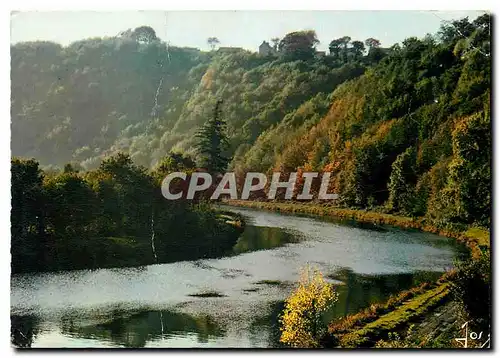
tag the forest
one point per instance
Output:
(404, 129)
(113, 216)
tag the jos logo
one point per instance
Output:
(483, 340)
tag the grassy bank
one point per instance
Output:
(366, 328)
(379, 321)
(476, 239)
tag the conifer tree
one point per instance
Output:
(213, 142)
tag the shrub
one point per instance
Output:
(302, 322)
(471, 288)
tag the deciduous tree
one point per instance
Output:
(213, 42)
(302, 322)
(299, 44)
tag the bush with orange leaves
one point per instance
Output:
(302, 321)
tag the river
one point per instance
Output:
(231, 301)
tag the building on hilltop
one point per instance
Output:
(266, 49)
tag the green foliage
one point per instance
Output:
(471, 287)
(107, 218)
(27, 214)
(299, 45)
(398, 131)
(394, 340)
(69, 206)
(401, 182)
(371, 333)
(470, 170)
(146, 99)
(144, 34)
(213, 143)
(358, 47)
(212, 42)
(173, 162)
(349, 111)
(96, 97)
(343, 50)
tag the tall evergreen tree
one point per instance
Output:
(213, 142)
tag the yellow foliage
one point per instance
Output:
(207, 79)
(376, 133)
(301, 321)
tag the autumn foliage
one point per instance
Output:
(301, 323)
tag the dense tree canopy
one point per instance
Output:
(404, 128)
(107, 217)
(299, 44)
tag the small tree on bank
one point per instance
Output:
(302, 323)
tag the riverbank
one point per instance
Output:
(133, 251)
(246, 287)
(387, 325)
(380, 321)
(475, 239)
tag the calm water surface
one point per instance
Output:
(158, 306)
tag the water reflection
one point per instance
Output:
(264, 238)
(122, 329)
(360, 291)
(135, 329)
(151, 306)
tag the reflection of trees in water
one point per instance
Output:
(135, 330)
(268, 323)
(23, 329)
(359, 291)
(261, 238)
